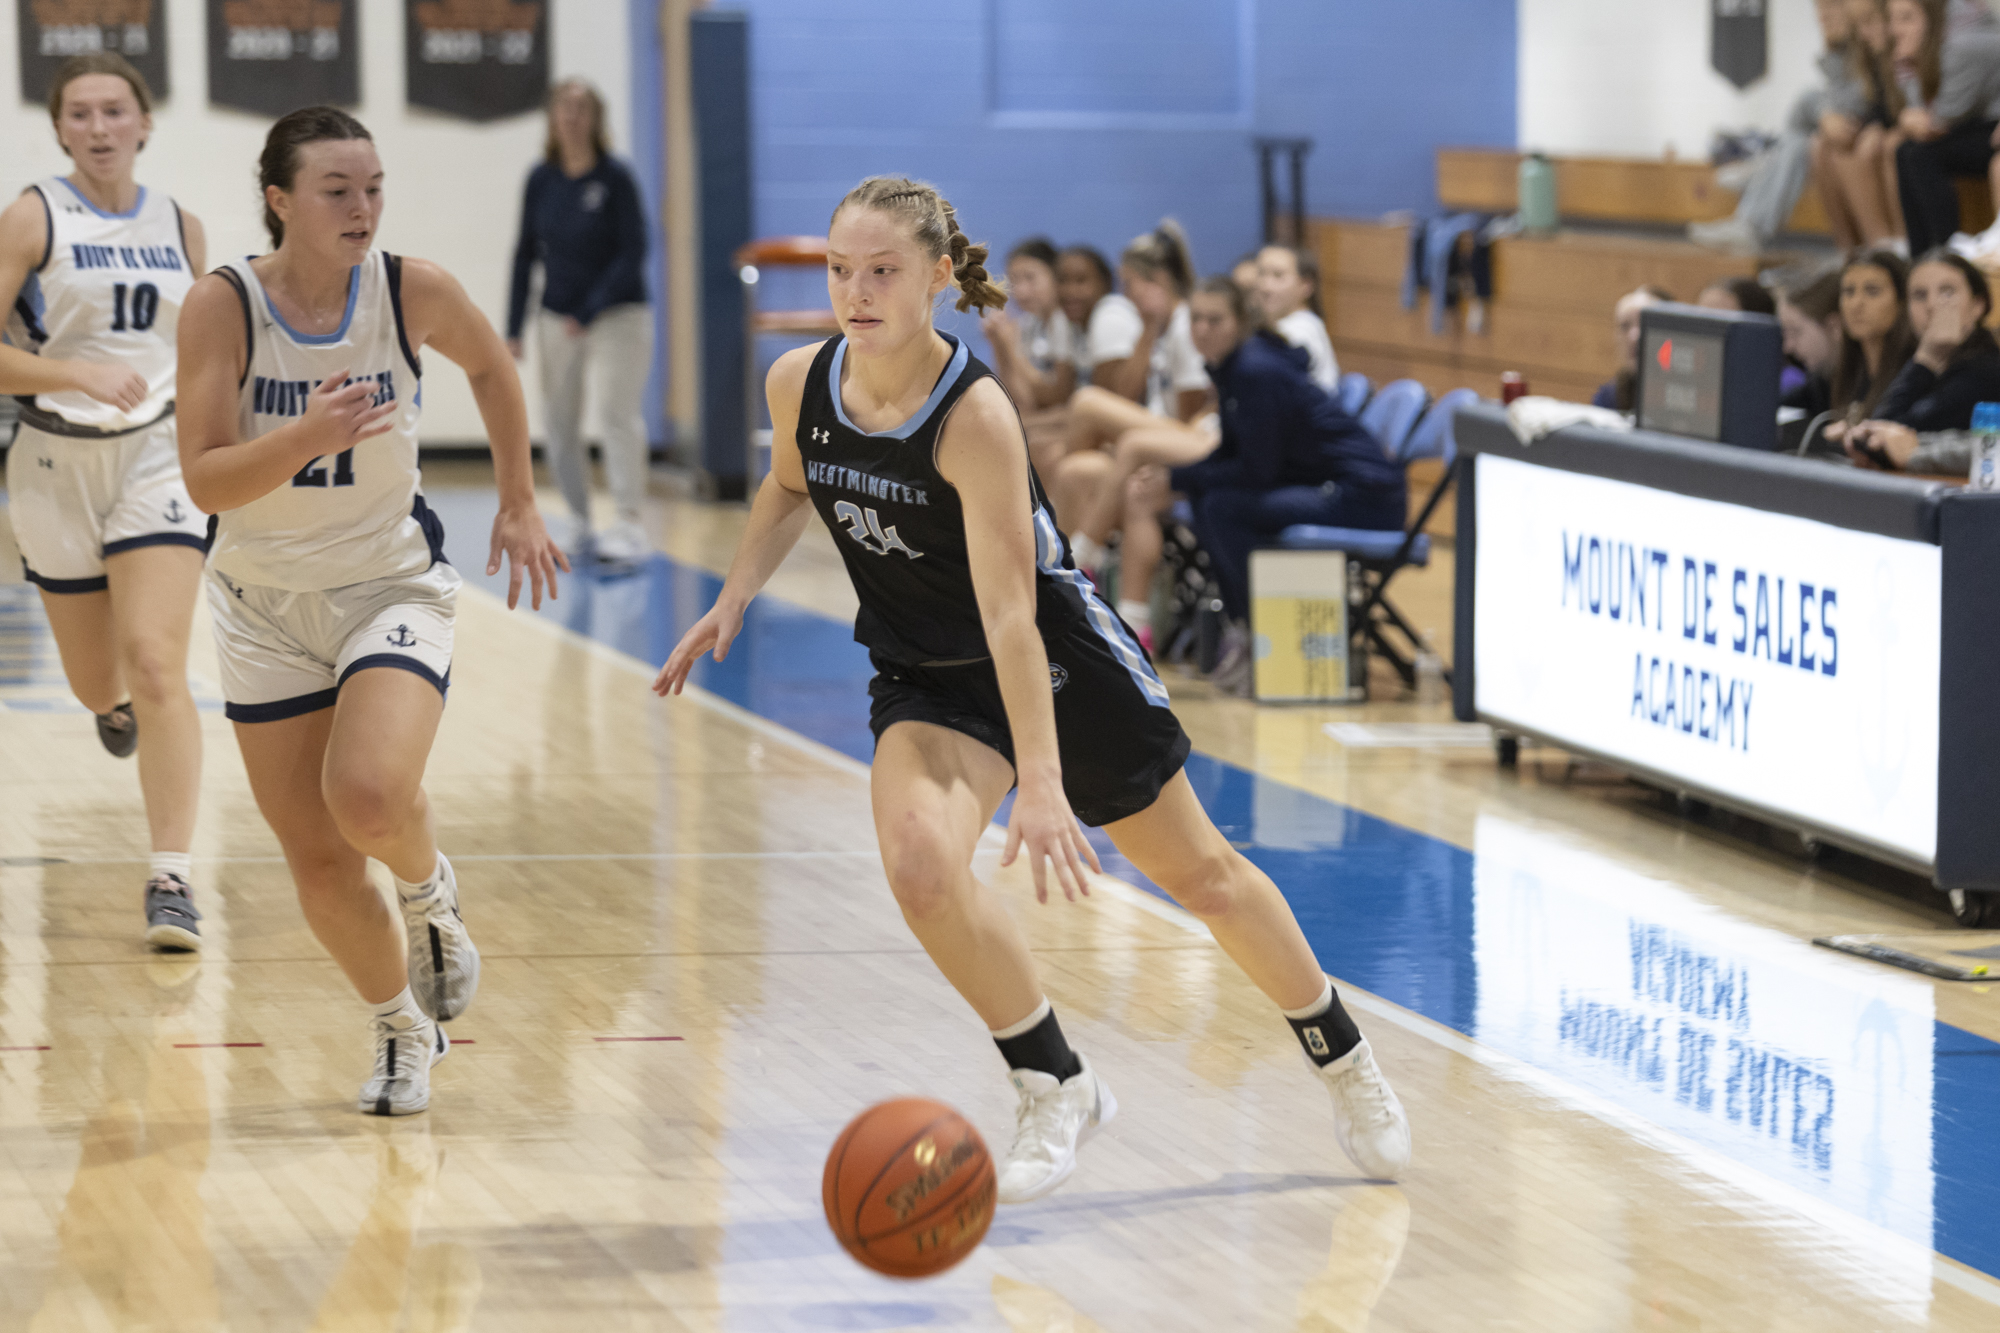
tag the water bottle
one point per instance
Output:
(1986, 447)
(1536, 193)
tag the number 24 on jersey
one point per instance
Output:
(866, 528)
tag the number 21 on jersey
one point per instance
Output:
(864, 527)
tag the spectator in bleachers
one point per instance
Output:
(1743, 295)
(1781, 176)
(1875, 336)
(1956, 363)
(1616, 393)
(1083, 280)
(1083, 286)
(1854, 152)
(1034, 346)
(1288, 454)
(1809, 315)
(1950, 81)
(1145, 373)
(1288, 291)
(1244, 272)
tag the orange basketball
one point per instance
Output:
(909, 1188)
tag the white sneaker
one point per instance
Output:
(1731, 235)
(1367, 1118)
(623, 543)
(401, 1083)
(444, 962)
(1052, 1120)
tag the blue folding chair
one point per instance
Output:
(1384, 554)
(1353, 392)
(1393, 413)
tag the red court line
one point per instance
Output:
(463, 1041)
(25, 1048)
(212, 1045)
(638, 1038)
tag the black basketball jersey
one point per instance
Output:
(901, 529)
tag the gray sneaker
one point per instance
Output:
(444, 962)
(401, 1083)
(119, 730)
(172, 920)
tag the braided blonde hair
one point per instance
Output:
(935, 226)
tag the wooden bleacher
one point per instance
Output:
(1550, 317)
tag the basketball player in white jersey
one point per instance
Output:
(93, 270)
(332, 600)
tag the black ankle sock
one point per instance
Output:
(1041, 1047)
(1329, 1034)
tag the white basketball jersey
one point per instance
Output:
(353, 516)
(109, 290)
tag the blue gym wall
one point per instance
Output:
(1088, 120)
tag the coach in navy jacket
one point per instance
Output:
(583, 223)
(1288, 455)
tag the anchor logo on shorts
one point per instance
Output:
(174, 512)
(1058, 677)
(402, 638)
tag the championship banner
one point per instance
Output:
(479, 59)
(1739, 40)
(51, 31)
(274, 56)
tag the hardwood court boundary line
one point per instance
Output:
(1711, 1162)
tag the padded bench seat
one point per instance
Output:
(1361, 543)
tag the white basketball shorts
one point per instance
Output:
(74, 501)
(284, 654)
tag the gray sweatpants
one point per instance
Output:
(615, 353)
(1774, 191)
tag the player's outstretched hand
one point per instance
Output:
(714, 633)
(518, 531)
(1045, 827)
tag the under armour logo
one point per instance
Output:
(1316, 1042)
(821, 435)
(48, 463)
(174, 512)
(401, 638)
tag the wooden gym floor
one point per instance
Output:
(1641, 1099)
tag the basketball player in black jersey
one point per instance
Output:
(998, 666)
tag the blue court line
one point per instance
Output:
(1708, 1040)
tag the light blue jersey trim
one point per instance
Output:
(903, 432)
(320, 339)
(1048, 558)
(100, 212)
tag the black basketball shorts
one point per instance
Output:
(1118, 741)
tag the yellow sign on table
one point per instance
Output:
(1298, 627)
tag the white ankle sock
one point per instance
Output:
(1139, 615)
(401, 1009)
(1316, 1008)
(408, 891)
(178, 864)
(1027, 1024)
